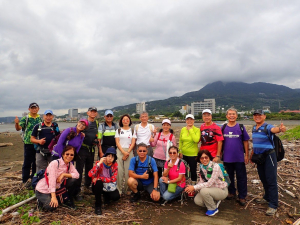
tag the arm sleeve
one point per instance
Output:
(62, 139)
(74, 173)
(132, 163)
(100, 130)
(22, 122)
(174, 140)
(153, 164)
(154, 143)
(81, 141)
(195, 134)
(182, 168)
(166, 165)
(219, 135)
(134, 134)
(34, 131)
(51, 171)
(94, 171)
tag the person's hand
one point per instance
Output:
(251, 157)
(154, 131)
(59, 179)
(145, 175)
(102, 160)
(17, 120)
(83, 134)
(42, 141)
(124, 158)
(282, 127)
(126, 154)
(95, 180)
(189, 189)
(170, 164)
(189, 127)
(246, 159)
(155, 195)
(216, 159)
(180, 155)
(54, 202)
(165, 179)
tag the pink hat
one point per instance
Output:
(86, 122)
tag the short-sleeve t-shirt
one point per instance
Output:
(174, 172)
(90, 134)
(144, 133)
(142, 167)
(46, 132)
(30, 125)
(210, 135)
(125, 137)
(233, 146)
(261, 142)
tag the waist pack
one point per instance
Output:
(261, 158)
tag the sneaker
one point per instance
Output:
(212, 212)
(242, 202)
(78, 198)
(261, 201)
(230, 196)
(135, 197)
(271, 211)
(98, 211)
(218, 203)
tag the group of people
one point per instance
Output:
(128, 164)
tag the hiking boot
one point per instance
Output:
(230, 196)
(271, 211)
(135, 197)
(212, 212)
(242, 202)
(78, 198)
(261, 201)
(98, 211)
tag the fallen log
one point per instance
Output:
(16, 205)
(6, 144)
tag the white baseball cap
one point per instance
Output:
(206, 111)
(189, 116)
(166, 121)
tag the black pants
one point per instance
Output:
(85, 159)
(98, 190)
(191, 160)
(29, 162)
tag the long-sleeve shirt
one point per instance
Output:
(54, 170)
(214, 180)
(100, 172)
(188, 141)
(76, 142)
(161, 145)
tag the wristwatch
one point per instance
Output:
(156, 189)
(168, 181)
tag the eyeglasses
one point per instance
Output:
(82, 124)
(109, 115)
(68, 154)
(172, 153)
(204, 157)
(142, 150)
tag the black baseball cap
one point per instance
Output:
(258, 111)
(92, 108)
(33, 105)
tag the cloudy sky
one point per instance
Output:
(75, 54)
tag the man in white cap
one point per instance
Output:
(211, 135)
(106, 132)
(41, 136)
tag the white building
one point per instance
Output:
(73, 113)
(198, 107)
(140, 107)
(186, 109)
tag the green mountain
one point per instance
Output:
(238, 94)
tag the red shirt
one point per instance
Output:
(210, 135)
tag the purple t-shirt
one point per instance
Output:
(233, 144)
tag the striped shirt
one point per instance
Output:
(261, 142)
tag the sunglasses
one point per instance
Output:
(172, 153)
(204, 157)
(68, 154)
(142, 150)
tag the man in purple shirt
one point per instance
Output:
(236, 155)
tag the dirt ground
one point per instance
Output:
(146, 211)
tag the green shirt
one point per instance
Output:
(188, 141)
(30, 125)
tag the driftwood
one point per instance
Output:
(297, 222)
(286, 191)
(16, 205)
(6, 144)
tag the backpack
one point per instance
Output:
(104, 128)
(150, 169)
(242, 135)
(187, 168)
(224, 172)
(41, 174)
(277, 145)
(40, 128)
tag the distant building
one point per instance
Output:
(198, 107)
(73, 113)
(290, 111)
(266, 109)
(140, 107)
(186, 109)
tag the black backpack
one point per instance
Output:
(277, 145)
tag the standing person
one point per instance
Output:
(188, 145)
(41, 136)
(58, 172)
(106, 133)
(71, 136)
(236, 141)
(211, 135)
(161, 142)
(104, 177)
(212, 187)
(263, 148)
(143, 175)
(144, 131)
(174, 174)
(87, 150)
(26, 124)
(125, 140)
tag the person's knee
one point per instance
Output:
(131, 182)
(198, 200)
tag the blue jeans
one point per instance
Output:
(163, 188)
(268, 175)
(241, 177)
(29, 162)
